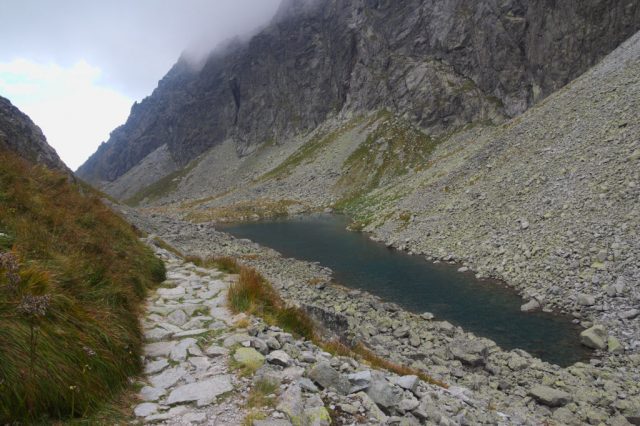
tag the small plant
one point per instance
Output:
(254, 295)
(263, 394)
(253, 416)
(223, 263)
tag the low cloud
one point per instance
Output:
(73, 110)
(76, 66)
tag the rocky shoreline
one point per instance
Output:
(525, 389)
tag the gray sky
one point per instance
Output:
(73, 65)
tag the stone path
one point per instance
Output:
(188, 377)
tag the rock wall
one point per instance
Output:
(20, 135)
(442, 64)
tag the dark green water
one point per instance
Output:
(484, 307)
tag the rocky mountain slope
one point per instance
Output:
(546, 201)
(20, 135)
(72, 277)
(440, 65)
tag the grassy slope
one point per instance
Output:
(95, 273)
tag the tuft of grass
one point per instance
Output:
(166, 246)
(254, 295)
(223, 263)
(253, 416)
(262, 394)
(84, 274)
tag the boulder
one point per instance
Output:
(204, 392)
(291, 404)
(549, 396)
(614, 346)
(531, 305)
(586, 300)
(323, 374)
(383, 393)
(471, 352)
(317, 416)
(280, 358)
(594, 337)
(249, 357)
(359, 380)
(409, 383)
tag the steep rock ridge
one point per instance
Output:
(20, 135)
(548, 202)
(439, 64)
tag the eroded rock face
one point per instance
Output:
(442, 64)
(20, 135)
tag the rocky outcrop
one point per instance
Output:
(20, 135)
(441, 64)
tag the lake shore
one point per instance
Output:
(602, 390)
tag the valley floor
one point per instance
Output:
(487, 384)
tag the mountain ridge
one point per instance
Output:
(440, 64)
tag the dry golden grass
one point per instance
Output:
(254, 295)
(258, 208)
(90, 273)
(223, 263)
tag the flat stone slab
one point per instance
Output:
(189, 333)
(175, 291)
(159, 349)
(145, 409)
(204, 392)
(156, 366)
(167, 378)
(550, 396)
(249, 357)
(151, 394)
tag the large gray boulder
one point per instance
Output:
(383, 393)
(204, 392)
(594, 337)
(550, 396)
(326, 376)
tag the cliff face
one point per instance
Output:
(20, 135)
(440, 64)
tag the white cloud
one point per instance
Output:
(72, 108)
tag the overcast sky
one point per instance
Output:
(76, 66)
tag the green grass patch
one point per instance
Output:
(391, 150)
(310, 150)
(70, 296)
